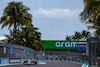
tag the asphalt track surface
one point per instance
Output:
(49, 64)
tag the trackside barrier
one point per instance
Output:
(41, 62)
(44, 58)
(58, 59)
(15, 60)
(71, 60)
(38, 61)
(4, 61)
(84, 65)
(62, 59)
(22, 60)
(91, 66)
(80, 61)
(66, 59)
(54, 58)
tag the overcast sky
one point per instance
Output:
(55, 18)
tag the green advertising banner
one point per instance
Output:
(28, 52)
(50, 44)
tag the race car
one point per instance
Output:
(30, 62)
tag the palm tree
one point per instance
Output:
(15, 14)
(85, 34)
(68, 38)
(77, 36)
(9, 37)
(30, 37)
(91, 14)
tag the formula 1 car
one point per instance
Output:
(30, 62)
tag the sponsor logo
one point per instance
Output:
(66, 44)
(79, 45)
(4, 61)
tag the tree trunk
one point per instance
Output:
(18, 34)
(14, 32)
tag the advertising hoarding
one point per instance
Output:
(11, 50)
(4, 49)
(4, 60)
(50, 44)
(28, 52)
(24, 50)
(81, 45)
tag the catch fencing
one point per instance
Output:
(15, 51)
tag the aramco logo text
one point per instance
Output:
(66, 44)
